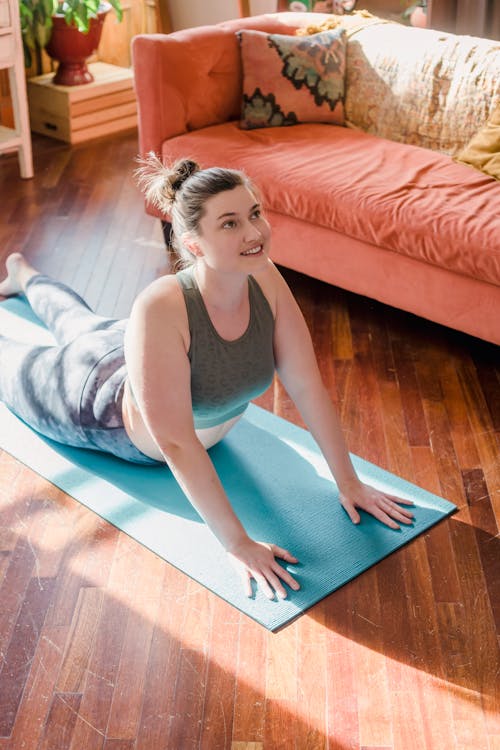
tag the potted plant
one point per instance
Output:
(69, 30)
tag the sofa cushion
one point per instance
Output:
(421, 86)
(290, 79)
(483, 150)
(401, 198)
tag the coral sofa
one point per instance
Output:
(378, 205)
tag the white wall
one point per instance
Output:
(187, 13)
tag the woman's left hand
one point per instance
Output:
(386, 508)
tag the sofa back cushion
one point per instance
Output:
(420, 86)
(415, 86)
(288, 79)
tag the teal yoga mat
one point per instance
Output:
(275, 477)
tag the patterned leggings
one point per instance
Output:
(71, 392)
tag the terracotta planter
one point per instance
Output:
(71, 48)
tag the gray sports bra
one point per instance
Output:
(226, 375)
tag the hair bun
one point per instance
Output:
(160, 183)
(181, 171)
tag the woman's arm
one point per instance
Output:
(159, 373)
(298, 370)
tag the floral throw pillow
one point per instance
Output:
(290, 79)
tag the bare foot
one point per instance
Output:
(19, 272)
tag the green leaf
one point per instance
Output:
(92, 6)
(117, 7)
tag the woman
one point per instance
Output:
(173, 379)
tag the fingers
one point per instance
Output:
(350, 510)
(271, 584)
(381, 505)
(390, 505)
(391, 514)
(397, 499)
(284, 554)
(385, 518)
(269, 578)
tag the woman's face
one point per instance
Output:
(233, 235)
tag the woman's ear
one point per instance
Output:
(190, 242)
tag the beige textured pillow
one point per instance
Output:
(420, 86)
(483, 150)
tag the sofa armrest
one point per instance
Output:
(160, 108)
(192, 78)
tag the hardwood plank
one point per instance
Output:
(340, 324)
(488, 376)
(407, 723)
(191, 681)
(12, 511)
(318, 318)
(436, 710)
(469, 640)
(125, 710)
(342, 681)
(5, 556)
(80, 641)
(443, 571)
(250, 689)
(444, 453)
(281, 667)
(399, 455)
(18, 657)
(373, 705)
(104, 657)
(311, 729)
(280, 727)
(413, 648)
(163, 664)
(486, 440)
(416, 425)
(478, 500)
(75, 557)
(100, 678)
(361, 412)
(218, 710)
(461, 432)
(38, 692)
(60, 721)
(56, 532)
(17, 575)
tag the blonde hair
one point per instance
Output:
(180, 191)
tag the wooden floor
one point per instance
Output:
(103, 646)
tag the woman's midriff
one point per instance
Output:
(140, 437)
(135, 427)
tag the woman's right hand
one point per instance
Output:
(257, 560)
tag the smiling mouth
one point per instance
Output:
(254, 250)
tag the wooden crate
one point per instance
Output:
(79, 113)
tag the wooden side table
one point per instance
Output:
(79, 113)
(12, 58)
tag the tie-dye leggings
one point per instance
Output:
(71, 392)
